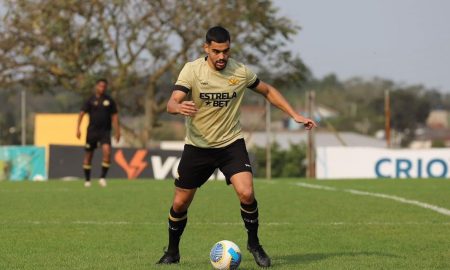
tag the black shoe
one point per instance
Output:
(169, 258)
(261, 257)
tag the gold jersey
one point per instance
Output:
(217, 96)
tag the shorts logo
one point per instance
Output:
(233, 81)
(87, 146)
(247, 165)
(106, 103)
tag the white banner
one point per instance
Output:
(366, 162)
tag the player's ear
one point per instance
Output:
(206, 48)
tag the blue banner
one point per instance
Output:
(19, 163)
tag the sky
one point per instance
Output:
(407, 41)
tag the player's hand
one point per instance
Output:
(187, 108)
(78, 134)
(309, 124)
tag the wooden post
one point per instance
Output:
(268, 143)
(23, 116)
(387, 117)
(311, 171)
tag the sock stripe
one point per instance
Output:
(177, 219)
(87, 167)
(249, 212)
(105, 164)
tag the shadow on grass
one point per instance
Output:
(298, 259)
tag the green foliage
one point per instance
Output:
(285, 162)
(47, 45)
(438, 144)
(9, 117)
(360, 104)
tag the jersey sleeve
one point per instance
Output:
(113, 107)
(184, 81)
(252, 79)
(86, 106)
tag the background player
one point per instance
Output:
(102, 112)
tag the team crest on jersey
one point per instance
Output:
(233, 81)
(106, 103)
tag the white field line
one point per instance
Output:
(128, 223)
(93, 222)
(374, 223)
(316, 186)
(35, 191)
(163, 223)
(428, 206)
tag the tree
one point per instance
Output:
(361, 105)
(9, 117)
(409, 109)
(50, 45)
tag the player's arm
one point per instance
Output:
(274, 96)
(177, 104)
(80, 118)
(116, 126)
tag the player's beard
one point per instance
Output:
(220, 64)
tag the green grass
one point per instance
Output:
(62, 225)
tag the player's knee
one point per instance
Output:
(180, 205)
(246, 196)
(87, 159)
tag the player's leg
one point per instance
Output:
(243, 185)
(235, 164)
(89, 148)
(105, 141)
(106, 155)
(194, 170)
(87, 166)
(177, 222)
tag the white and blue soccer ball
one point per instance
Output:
(225, 255)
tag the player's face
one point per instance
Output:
(218, 54)
(100, 88)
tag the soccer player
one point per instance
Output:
(208, 93)
(102, 112)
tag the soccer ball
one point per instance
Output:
(225, 255)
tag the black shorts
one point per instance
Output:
(198, 164)
(94, 138)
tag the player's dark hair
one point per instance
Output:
(101, 80)
(217, 34)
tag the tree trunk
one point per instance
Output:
(149, 119)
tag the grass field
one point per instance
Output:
(62, 225)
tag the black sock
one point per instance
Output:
(87, 172)
(249, 214)
(177, 223)
(105, 167)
